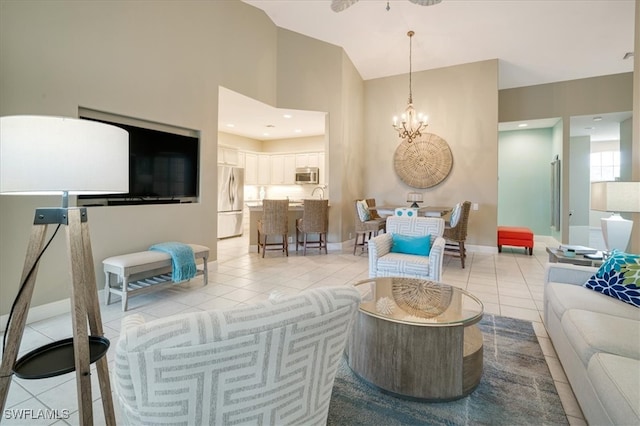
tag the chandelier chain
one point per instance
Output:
(410, 34)
(411, 124)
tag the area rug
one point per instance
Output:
(516, 389)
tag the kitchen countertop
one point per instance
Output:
(256, 205)
(296, 211)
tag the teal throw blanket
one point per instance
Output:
(183, 261)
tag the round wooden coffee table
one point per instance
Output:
(416, 338)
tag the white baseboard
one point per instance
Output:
(330, 246)
(42, 312)
(548, 240)
(338, 246)
(481, 249)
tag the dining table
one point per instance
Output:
(428, 211)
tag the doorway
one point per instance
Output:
(598, 143)
(264, 145)
(526, 150)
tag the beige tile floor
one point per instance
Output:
(509, 284)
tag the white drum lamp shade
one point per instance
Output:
(616, 197)
(415, 198)
(43, 155)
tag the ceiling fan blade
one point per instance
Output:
(425, 2)
(340, 5)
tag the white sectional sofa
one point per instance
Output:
(597, 339)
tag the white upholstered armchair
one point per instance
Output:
(269, 363)
(385, 263)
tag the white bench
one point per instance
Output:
(134, 273)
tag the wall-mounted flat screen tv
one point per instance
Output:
(163, 167)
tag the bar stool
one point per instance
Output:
(314, 220)
(274, 221)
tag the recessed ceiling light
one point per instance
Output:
(231, 125)
(265, 134)
(522, 125)
(597, 118)
(287, 115)
(298, 130)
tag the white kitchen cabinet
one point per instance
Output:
(289, 169)
(264, 169)
(307, 159)
(283, 169)
(250, 168)
(227, 155)
(277, 169)
(241, 159)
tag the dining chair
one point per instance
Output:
(274, 222)
(314, 220)
(368, 223)
(455, 232)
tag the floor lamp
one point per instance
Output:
(42, 155)
(617, 197)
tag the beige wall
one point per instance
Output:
(157, 61)
(302, 144)
(240, 142)
(308, 143)
(462, 105)
(320, 77)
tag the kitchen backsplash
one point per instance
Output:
(293, 192)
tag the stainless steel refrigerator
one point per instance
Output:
(230, 201)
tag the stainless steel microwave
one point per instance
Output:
(307, 175)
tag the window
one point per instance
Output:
(605, 165)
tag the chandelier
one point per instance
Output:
(411, 124)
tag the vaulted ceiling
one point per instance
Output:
(535, 42)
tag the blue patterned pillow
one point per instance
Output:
(455, 215)
(619, 277)
(363, 210)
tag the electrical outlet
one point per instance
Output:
(474, 206)
(350, 235)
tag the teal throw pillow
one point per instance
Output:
(411, 244)
(619, 277)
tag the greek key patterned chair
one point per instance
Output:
(273, 362)
(385, 263)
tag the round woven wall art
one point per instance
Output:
(424, 162)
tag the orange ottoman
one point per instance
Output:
(515, 236)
